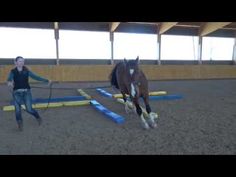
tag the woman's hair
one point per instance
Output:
(18, 57)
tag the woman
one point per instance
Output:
(18, 78)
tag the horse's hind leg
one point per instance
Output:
(151, 115)
(140, 113)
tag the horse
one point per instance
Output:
(129, 79)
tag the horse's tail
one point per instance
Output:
(113, 78)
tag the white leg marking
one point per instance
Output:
(144, 123)
(151, 119)
(133, 90)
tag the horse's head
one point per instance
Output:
(132, 71)
(132, 66)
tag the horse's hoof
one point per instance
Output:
(128, 111)
(152, 124)
(145, 126)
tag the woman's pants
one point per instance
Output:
(23, 97)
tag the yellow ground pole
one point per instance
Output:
(150, 94)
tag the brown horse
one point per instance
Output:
(130, 79)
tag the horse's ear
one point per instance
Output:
(137, 60)
(125, 60)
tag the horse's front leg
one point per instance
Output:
(151, 115)
(140, 114)
(128, 105)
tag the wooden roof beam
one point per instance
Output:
(164, 26)
(56, 25)
(113, 26)
(210, 27)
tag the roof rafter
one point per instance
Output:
(166, 26)
(210, 27)
(113, 26)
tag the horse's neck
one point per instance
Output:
(135, 76)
